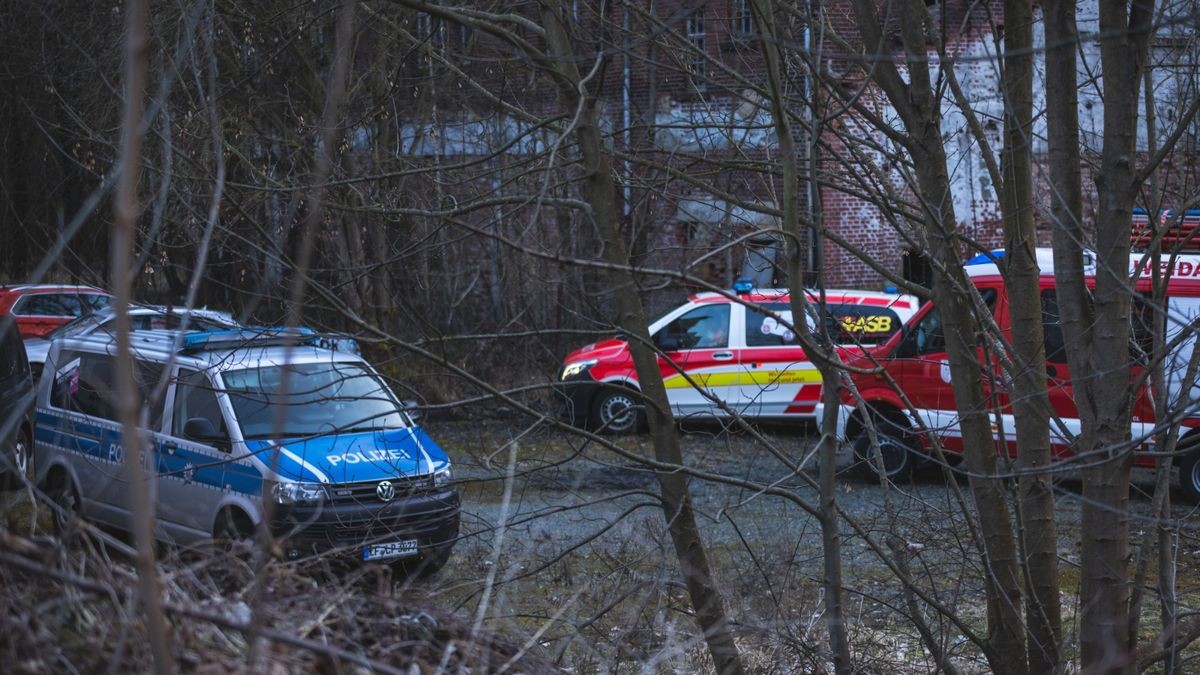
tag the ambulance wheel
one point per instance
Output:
(1189, 476)
(617, 411)
(65, 502)
(896, 452)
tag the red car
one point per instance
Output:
(39, 309)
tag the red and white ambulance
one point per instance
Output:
(917, 362)
(714, 349)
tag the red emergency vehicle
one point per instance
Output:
(715, 349)
(917, 362)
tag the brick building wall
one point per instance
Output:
(696, 151)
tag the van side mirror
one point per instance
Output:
(202, 429)
(412, 408)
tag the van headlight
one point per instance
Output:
(442, 477)
(572, 369)
(298, 493)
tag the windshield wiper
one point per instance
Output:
(269, 435)
(364, 429)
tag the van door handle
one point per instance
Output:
(722, 356)
(170, 447)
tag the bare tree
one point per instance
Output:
(917, 104)
(1038, 532)
(1103, 397)
(127, 403)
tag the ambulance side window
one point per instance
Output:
(767, 331)
(702, 328)
(194, 397)
(1056, 341)
(925, 337)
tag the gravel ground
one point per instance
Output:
(564, 561)
(564, 538)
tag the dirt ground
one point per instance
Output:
(564, 563)
(571, 545)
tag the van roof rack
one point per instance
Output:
(1181, 233)
(246, 337)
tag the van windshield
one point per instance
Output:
(319, 399)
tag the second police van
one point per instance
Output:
(745, 358)
(915, 363)
(245, 425)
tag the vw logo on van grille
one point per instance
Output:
(385, 491)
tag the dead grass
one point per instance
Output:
(564, 563)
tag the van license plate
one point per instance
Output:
(395, 549)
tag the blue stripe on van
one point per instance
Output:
(181, 464)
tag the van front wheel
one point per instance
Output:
(22, 462)
(617, 411)
(233, 531)
(64, 500)
(895, 454)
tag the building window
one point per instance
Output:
(695, 35)
(743, 18)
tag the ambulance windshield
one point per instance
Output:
(311, 399)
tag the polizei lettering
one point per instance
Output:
(360, 456)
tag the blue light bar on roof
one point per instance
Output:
(247, 337)
(986, 258)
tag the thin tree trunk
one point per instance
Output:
(600, 194)
(831, 547)
(1030, 403)
(125, 212)
(920, 111)
(1105, 644)
(335, 88)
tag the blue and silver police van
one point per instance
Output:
(239, 426)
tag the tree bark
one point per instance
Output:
(831, 548)
(1105, 643)
(125, 213)
(919, 110)
(1030, 403)
(600, 194)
